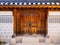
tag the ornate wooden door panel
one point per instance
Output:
(34, 21)
(31, 21)
(25, 19)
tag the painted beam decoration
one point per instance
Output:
(29, 2)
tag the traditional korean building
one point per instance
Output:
(29, 16)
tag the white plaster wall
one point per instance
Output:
(54, 29)
(6, 25)
(54, 26)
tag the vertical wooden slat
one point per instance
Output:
(43, 21)
(46, 21)
(15, 20)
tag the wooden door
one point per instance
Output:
(30, 21)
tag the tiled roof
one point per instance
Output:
(29, 2)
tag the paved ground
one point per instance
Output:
(31, 44)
